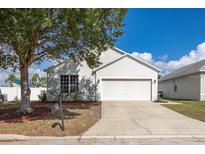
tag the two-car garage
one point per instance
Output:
(127, 79)
(126, 89)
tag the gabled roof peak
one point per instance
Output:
(123, 55)
(186, 70)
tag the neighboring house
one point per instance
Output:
(120, 77)
(185, 83)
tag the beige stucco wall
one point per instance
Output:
(188, 87)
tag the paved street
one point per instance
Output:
(129, 141)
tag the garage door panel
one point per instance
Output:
(122, 89)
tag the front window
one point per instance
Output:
(65, 83)
(73, 83)
(69, 83)
(175, 88)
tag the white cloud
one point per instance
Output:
(163, 57)
(169, 66)
(145, 56)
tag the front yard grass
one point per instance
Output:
(79, 117)
(192, 109)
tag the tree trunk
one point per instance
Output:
(25, 91)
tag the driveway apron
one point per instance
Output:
(143, 118)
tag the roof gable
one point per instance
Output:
(56, 65)
(186, 70)
(123, 54)
(114, 49)
(131, 57)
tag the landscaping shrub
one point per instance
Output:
(43, 96)
(90, 89)
(75, 96)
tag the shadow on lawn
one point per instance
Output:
(41, 111)
(67, 115)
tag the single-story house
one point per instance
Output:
(120, 77)
(185, 83)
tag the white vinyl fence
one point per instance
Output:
(14, 93)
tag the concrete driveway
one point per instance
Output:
(143, 118)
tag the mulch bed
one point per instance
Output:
(41, 110)
(78, 118)
(71, 102)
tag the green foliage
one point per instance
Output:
(59, 94)
(38, 81)
(75, 96)
(43, 81)
(43, 96)
(16, 99)
(11, 80)
(35, 80)
(90, 89)
(32, 35)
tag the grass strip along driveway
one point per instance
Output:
(79, 117)
(192, 109)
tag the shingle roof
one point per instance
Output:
(186, 70)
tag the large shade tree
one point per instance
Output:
(30, 36)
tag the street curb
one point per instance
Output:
(16, 137)
(146, 137)
(8, 137)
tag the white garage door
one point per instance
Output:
(126, 89)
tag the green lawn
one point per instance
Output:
(192, 109)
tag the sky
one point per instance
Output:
(166, 38)
(163, 31)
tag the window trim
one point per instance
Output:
(75, 84)
(69, 83)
